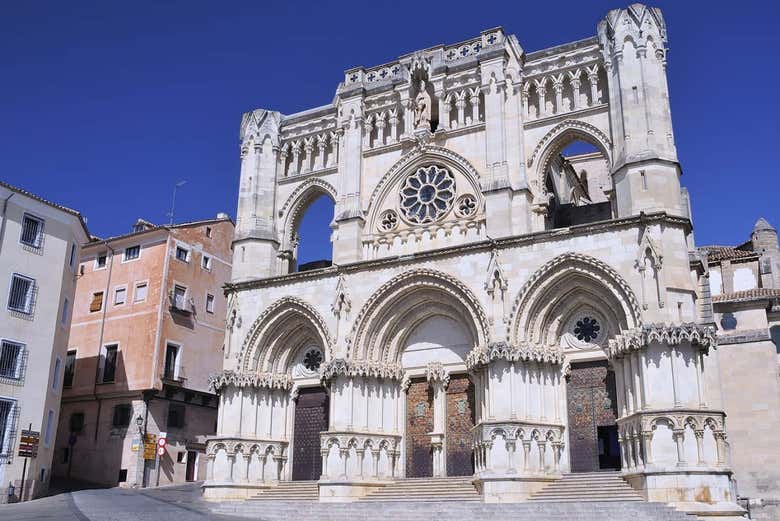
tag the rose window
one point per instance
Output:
(466, 206)
(312, 359)
(587, 329)
(388, 221)
(427, 194)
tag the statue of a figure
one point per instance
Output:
(422, 108)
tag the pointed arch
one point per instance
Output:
(547, 300)
(275, 337)
(405, 301)
(296, 204)
(561, 135)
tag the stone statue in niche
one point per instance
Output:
(422, 108)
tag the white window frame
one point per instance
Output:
(117, 288)
(56, 375)
(96, 266)
(22, 352)
(187, 253)
(213, 303)
(39, 238)
(185, 298)
(102, 361)
(30, 295)
(177, 363)
(124, 253)
(65, 365)
(135, 290)
(205, 262)
(5, 448)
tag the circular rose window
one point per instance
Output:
(427, 194)
(312, 359)
(587, 329)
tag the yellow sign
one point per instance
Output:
(150, 451)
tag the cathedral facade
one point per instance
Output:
(497, 307)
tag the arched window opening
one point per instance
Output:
(577, 182)
(311, 241)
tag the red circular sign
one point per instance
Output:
(162, 442)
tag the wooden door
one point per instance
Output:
(311, 418)
(419, 423)
(192, 458)
(460, 421)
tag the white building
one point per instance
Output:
(40, 244)
(497, 307)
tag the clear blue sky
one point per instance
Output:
(105, 105)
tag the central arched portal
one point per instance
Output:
(439, 415)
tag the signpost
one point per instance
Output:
(162, 441)
(150, 444)
(28, 448)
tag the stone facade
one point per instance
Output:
(466, 244)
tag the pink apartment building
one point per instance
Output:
(147, 330)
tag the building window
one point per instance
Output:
(20, 298)
(49, 434)
(65, 310)
(170, 369)
(109, 363)
(208, 231)
(182, 254)
(132, 252)
(120, 294)
(209, 303)
(587, 329)
(9, 411)
(179, 296)
(72, 255)
(55, 378)
(427, 194)
(140, 291)
(100, 261)
(97, 302)
(175, 416)
(205, 263)
(122, 413)
(11, 356)
(76, 422)
(70, 369)
(32, 231)
(181, 457)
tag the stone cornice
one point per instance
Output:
(255, 380)
(482, 356)
(470, 248)
(364, 368)
(703, 336)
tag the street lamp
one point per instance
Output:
(139, 421)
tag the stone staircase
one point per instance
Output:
(426, 489)
(290, 491)
(588, 486)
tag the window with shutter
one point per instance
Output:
(97, 302)
(109, 365)
(70, 369)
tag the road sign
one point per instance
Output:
(162, 442)
(149, 451)
(161, 451)
(28, 444)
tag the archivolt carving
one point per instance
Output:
(554, 141)
(481, 356)
(257, 380)
(270, 326)
(342, 367)
(705, 337)
(530, 303)
(374, 327)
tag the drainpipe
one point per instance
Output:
(100, 338)
(2, 226)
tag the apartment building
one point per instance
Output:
(148, 329)
(40, 244)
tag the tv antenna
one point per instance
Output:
(173, 202)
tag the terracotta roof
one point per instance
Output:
(40, 199)
(721, 253)
(155, 227)
(747, 295)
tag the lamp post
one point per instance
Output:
(139, 422)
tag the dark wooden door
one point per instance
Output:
(592, 403)
(311, 418)
(419, 423)
(460, 421)
(192, 458)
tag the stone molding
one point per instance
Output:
(703, 336)
(435, 372)
(228, 378)
(361, 368)
(482, 356)
(236, 445)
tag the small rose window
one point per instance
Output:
(312, 359)
(427, 194)
(587, 329)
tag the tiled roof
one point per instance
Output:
(40, 199)
(747, 295)
(721, 253)
(155, 227)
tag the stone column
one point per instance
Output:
(474, 99)
(368, 127)
(526, 453)
(324, 454)
(394, 125)
(679, 437)
(647, 439)
(460, 105)
(575, 88)
(510, 448)
(343, 458)
(319, 160)
(380, 128)
(699, 446)
(308, 148)
(375, 456)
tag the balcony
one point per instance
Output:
(172, 376)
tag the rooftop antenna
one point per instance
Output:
(173, 203)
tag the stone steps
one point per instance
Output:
(290, 491)
(455, 510)
(426, 489)
(587, 487)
